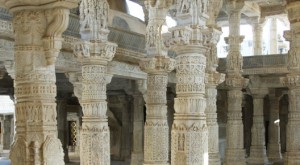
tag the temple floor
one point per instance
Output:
(74, 160)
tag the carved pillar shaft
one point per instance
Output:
(94, 134)
(274, 147)
(292, 81)
(157, 65)
(257, 38)
(212, 125)
(293, 130)
(235, 153)
(156, 126)
(258, 148)
(94, 52)
(273, 36)
(189, 131)
(213, 78)
(37, 44)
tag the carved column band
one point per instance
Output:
(37, 44)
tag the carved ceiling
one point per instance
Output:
(252, 8)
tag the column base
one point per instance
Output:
(274, 154)
(235, 157)
(156, 163)
(214, 159)
(137, 158)
(292, 158)
(258, 155)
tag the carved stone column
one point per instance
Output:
(94, 52)
(274, 147)
(213, 78)
(257, 27)
(235, 153)
(292, 81)
(258, 153)
(38, 26)
(189, 131)
(157, 65)
(138, 123)
(273, 36)
(211, 114)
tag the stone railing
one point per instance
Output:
(264, 63)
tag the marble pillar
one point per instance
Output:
(213, 78)
(292, 81)
(235, 153)
(138, 124)
(273, 36)
(211, 118)
(189, 131)
(94, 52)
(38, 26)
(274, 147)
(157, 65)
(257, 27)
(258, 153)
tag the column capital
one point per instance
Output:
(214, 79)
(214, 8)
(257, 20)
(236, 82)
(234, 5)
(94, 52)
(157, 9)
(32, 24)
(259, 93)
(291, 81)
(191, 12)
(17, 5)
(157, 65)
(293, 58)
(293, 9)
